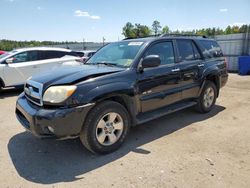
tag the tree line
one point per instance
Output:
(132, 31)
(137, 30)
(8, 45)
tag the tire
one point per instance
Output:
(207, 98)
(105, 120)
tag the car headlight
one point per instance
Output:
(58, 94)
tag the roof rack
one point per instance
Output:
(142, 37)
(182, 35)
(168, 35)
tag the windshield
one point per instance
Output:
(119, 54)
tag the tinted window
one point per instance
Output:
(79, 54)
(25, 57)
(52, 54)
(210, 48)
(91, 54)
(185, 48)
(164, 50)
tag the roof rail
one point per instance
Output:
(159, 35)
(182, 35)
(168, 35)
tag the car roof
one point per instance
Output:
(43, 49)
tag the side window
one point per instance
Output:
(164, 50)
(210, 48)
(51, 54)
(196, 52)
(185, 48)
(25, 57)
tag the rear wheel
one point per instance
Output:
(105, 128)
(207, 98)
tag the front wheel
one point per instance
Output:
(105, 128)
(207, 98)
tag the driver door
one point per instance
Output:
(159, 86)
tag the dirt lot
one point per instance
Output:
(184, 149)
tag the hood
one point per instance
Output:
(71, 75)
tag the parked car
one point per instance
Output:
(18, 65)
(124, 84)
(86, 54)
(2, 52)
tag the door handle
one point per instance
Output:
(35, 66)
(176, 70)
(201, 65)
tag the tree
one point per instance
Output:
(165, 30)
(156, 27)
(142, 30)
(129, 30)
(228, 30)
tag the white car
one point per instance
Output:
(18, 65)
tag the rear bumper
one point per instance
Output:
(57, 123)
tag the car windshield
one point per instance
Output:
(119, 54)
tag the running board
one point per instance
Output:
(148, 116)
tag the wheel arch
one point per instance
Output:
(1, 83)
(212, 77)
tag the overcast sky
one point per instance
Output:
(73, 20)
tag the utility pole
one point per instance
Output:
(103, 41)
(83, 43)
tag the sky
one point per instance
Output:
(91, 20)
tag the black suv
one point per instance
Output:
(124, 84)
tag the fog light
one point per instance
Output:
(51, 129)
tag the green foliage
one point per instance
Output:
(165, 30)
(156, 26)
(138, 30)
(8, 45)
(134, 31)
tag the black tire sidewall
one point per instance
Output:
(92, 121)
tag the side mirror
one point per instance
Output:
(151, 61)
(9, 60)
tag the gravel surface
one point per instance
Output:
(184, 149)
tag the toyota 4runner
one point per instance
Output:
(124, 84)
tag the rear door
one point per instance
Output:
(24, 65)
(159, 86)
(190, 65)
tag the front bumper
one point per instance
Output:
(57, 123)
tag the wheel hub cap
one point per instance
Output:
(109, 129)
(208, 98)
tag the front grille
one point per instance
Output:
(33, 92)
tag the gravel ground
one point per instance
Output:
(184, 149)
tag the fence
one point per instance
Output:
(233, 46)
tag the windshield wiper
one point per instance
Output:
(105, 63)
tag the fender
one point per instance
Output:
(121, 90)
(211, 71)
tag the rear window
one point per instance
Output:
(210, 48)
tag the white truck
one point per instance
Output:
(18, 65)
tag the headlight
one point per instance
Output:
(58, 94)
